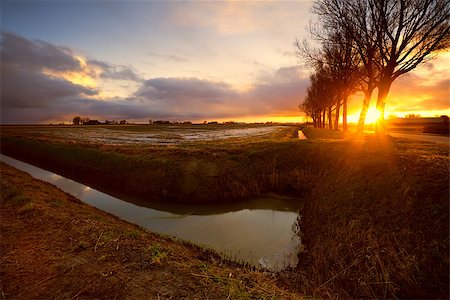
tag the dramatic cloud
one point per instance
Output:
(116, 72)
(66, 108)
(36, 88)
(21, 88)
(26, 82)
(187, 98)
(36, 55)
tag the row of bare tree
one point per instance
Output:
(366, 45)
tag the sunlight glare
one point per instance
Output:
(373, 115)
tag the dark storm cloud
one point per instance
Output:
(187, 99)
(116, 72)
(21, 88)
(24, 85)
(35, 54)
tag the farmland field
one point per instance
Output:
(143, 134)
(184, 163)
(375, 209)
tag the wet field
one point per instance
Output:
(142, 134)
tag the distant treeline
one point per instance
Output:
(86, 121)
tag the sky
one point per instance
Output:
(173, 60)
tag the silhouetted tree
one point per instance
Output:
(354, 19)
(393, 36)
(320, 98)
(76, 120)
(408, 33)
(340, 60)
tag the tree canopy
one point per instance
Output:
(373, 42)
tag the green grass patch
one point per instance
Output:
(157, 254)
(202, 172)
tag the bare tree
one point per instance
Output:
(320, 100)
(341, 60)
(355, 19)
(313, 104)
(409, 32)
(392, 38)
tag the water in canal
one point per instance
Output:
(260, 232)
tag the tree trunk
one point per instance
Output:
(323, 118)
(364, 109)
(383, 91)
(344, 115)
(330, 119)
(336, 117)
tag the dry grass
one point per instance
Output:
(88, 254)
(227, 170)
(377, 224)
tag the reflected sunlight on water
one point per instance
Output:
(258, 234)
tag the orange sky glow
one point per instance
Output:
(177, 61)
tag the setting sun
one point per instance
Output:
(215, 149)
(372, 116)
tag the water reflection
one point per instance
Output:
(301, 135)
(260, 232)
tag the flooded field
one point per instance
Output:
(143, 134)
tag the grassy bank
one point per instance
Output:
(228, 170)
(54, 246)
(377, 224)
(375, 219)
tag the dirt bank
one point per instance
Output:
(54, 246)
